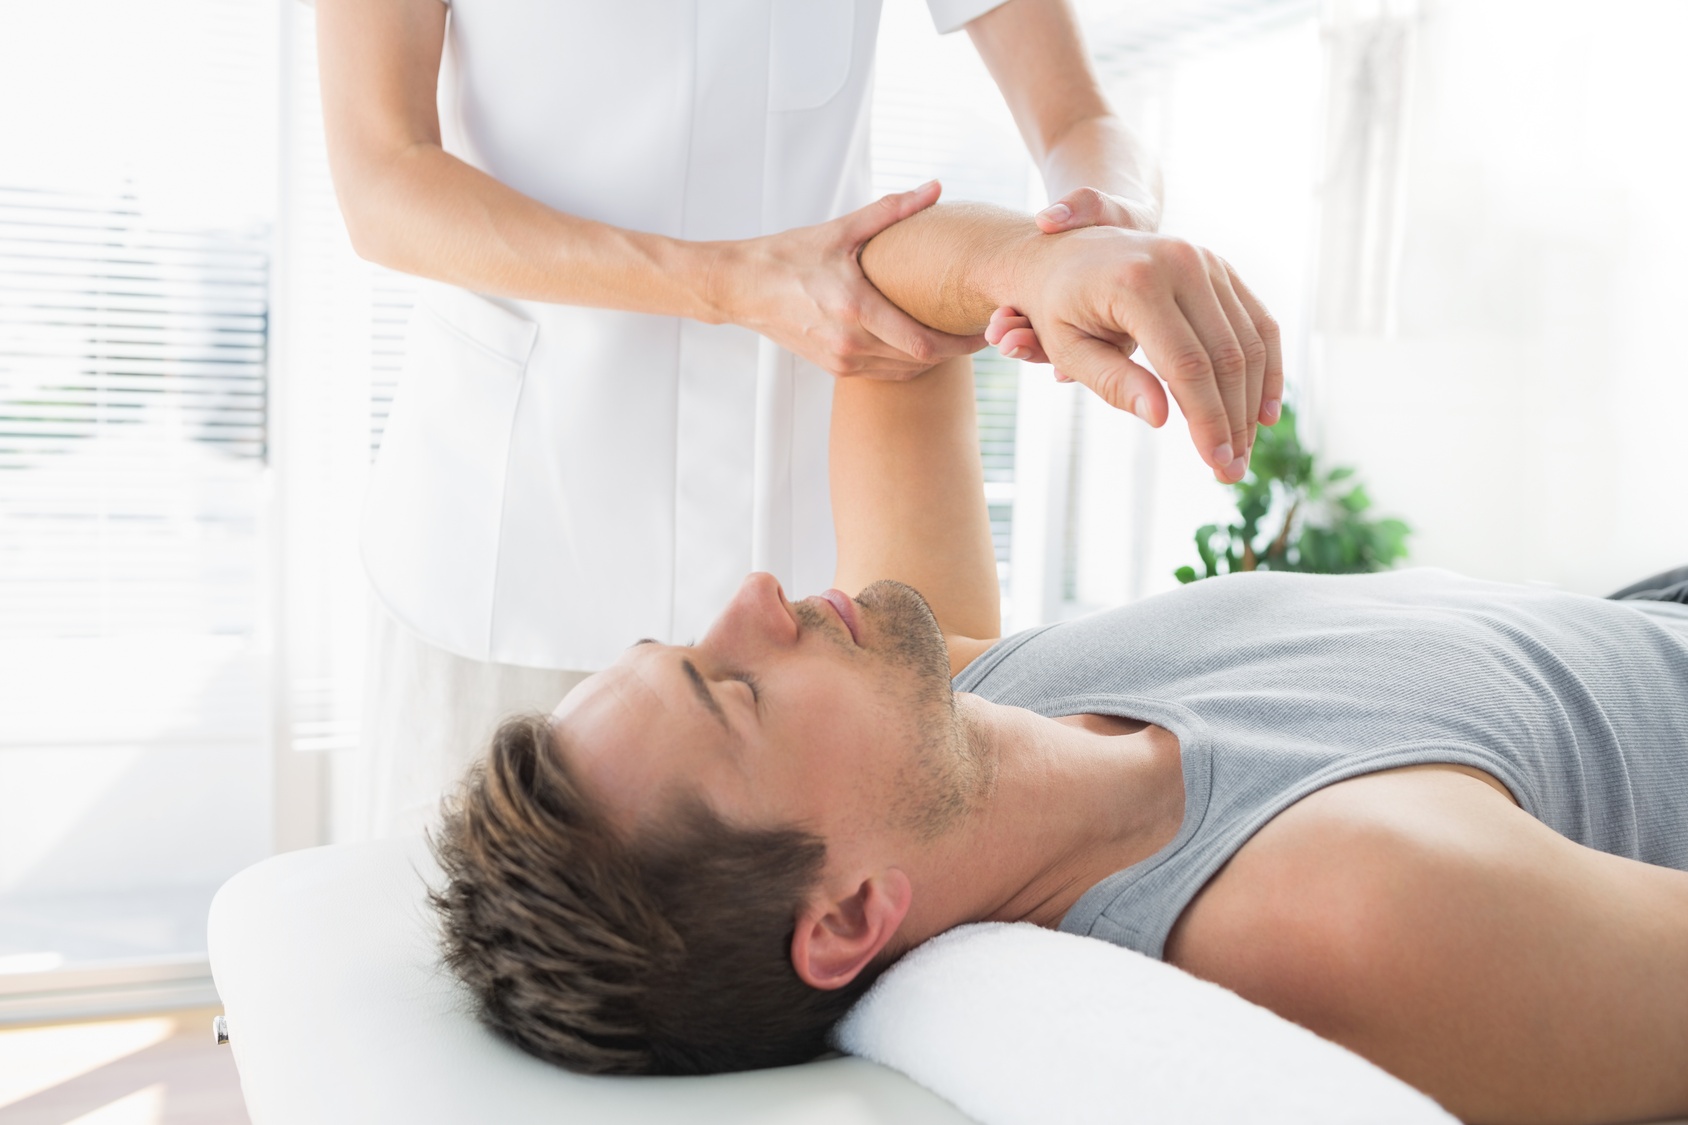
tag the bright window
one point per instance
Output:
(135, 209)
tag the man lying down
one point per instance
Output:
(1442, 822)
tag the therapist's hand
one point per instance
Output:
(1011, 332)
(1094, 294)
(804, 289)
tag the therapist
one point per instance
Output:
(618, 384)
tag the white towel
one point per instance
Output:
(1019, 1025)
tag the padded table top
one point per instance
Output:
(339, 1014)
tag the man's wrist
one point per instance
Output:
(951, 266)
(1001, 262)
(1017, 268)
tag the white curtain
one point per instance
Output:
(1499, 294)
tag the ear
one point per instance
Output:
(836, 939)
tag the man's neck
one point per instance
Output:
(1067, 807)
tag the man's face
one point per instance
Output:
(831, 714)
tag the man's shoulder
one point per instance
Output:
(1421, 919)
(1338, 896)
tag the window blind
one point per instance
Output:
(132, 418)
(136, 197)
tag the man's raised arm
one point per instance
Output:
(908, 499)
(1092, 296)
(907, 486)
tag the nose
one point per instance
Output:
(758, 617)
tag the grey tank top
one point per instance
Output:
(1280, 684)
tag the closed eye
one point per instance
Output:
(750, 682)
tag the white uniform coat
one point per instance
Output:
(557, 482)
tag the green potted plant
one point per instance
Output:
(1292, 514)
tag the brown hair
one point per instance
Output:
(667, 955)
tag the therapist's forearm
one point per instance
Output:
(424, 211)
(412, 206)
(1034, 50)
(1101, 152)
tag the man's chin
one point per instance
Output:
(891, 598)
(904, 617)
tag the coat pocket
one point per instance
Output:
(433, 518)
(811, 46)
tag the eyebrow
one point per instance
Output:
(703, 692)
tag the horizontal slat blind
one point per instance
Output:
(132, 418)
(136, 196)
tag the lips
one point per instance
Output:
(846, 609)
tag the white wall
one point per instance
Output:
(1523, 400)
(1486, 328)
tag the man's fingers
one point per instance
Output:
(1254, 349)
(1223, 366)
(1118, 381)
(865, 222)
(1272, 381)
(1182, 359)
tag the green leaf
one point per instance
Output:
(1252, 509)
(1391, 541)
(1204, 548)
(1348, 546)
(1283, 474)
(1186, 575)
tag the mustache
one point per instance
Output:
(807, 615)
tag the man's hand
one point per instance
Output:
(1094, 294)
(1259, 383)
(804, 289)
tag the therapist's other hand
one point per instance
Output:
(804, 289)
(1088, 207)
(1012, 333)
(1095, 293)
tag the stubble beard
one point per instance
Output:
(949, 773)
